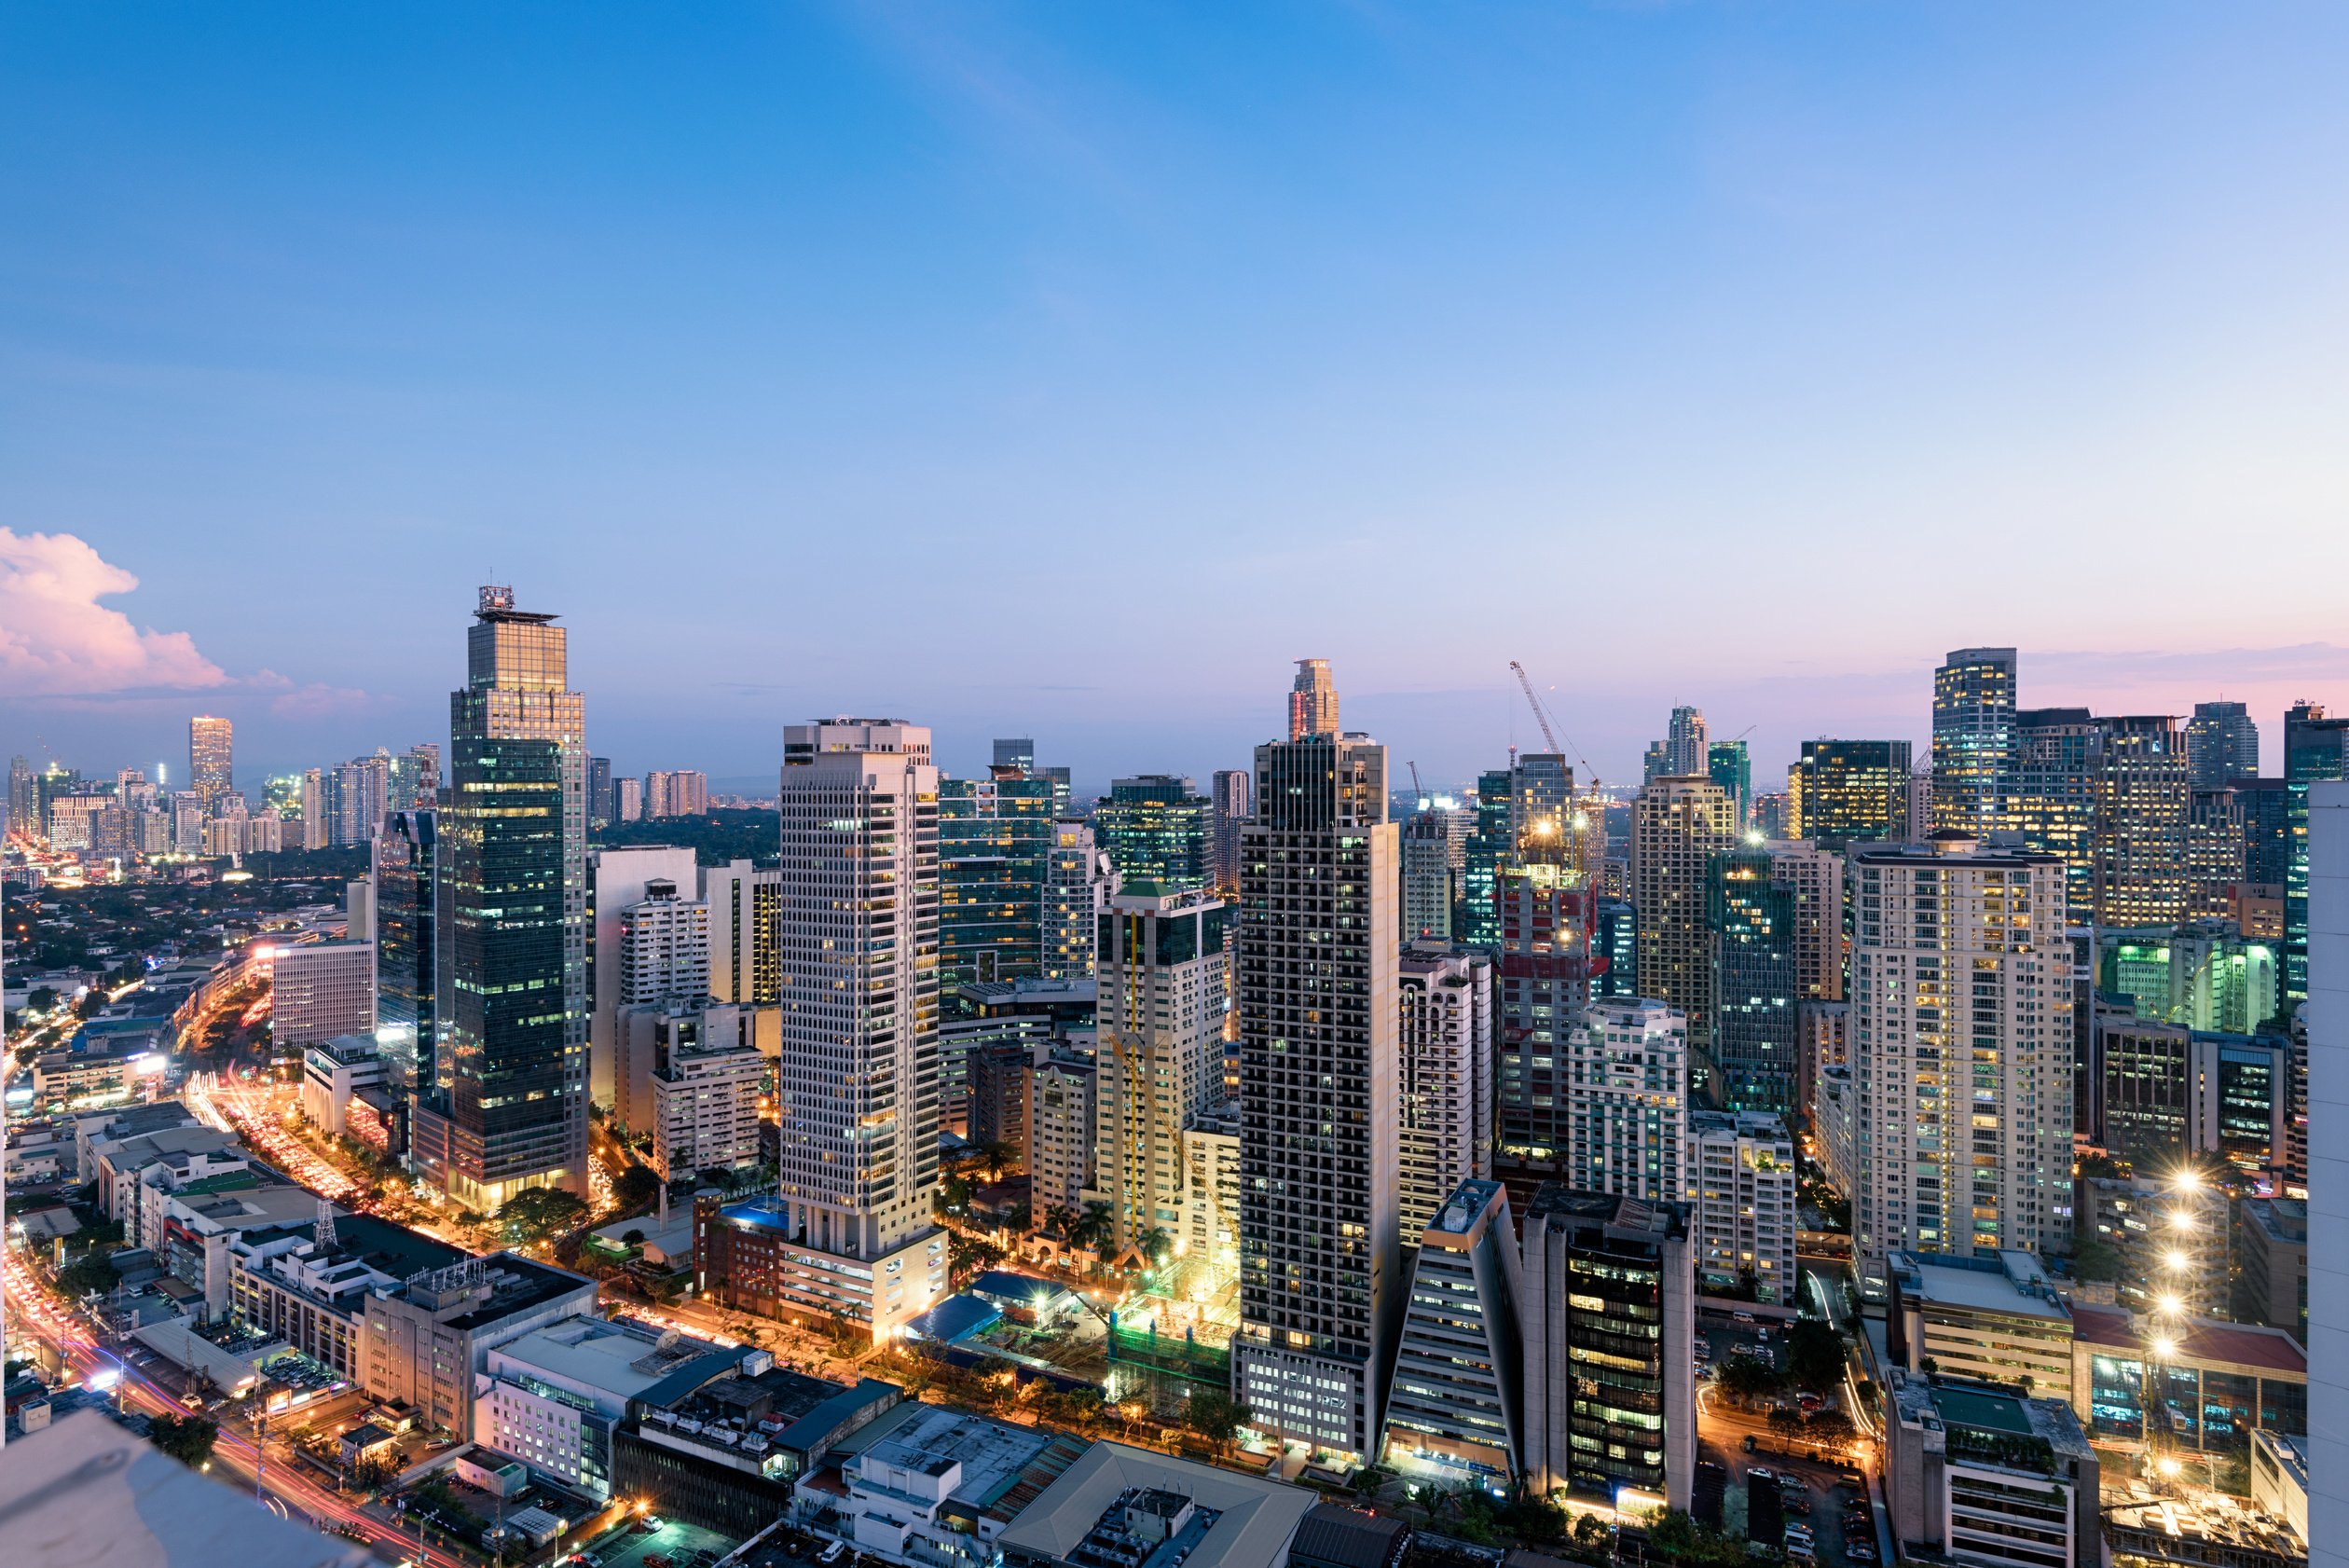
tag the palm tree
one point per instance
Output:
(1093, 1229)
(1154, 1245)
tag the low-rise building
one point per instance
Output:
(334, 1072)
(746, 1257)
(1979, 1474)
(427, 1340)
(728, 1457)
(287, 1282)
(1128, 1507)
(1741, 1204)
(2271, 1263)
(2201, 1383)
(552, 1398)
(1998, 1319)
(2171, 1241)
(929, 1486)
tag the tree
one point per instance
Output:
(992, 1156)
(632, 1237)
(1745, 1377)
(536, 1213)
(721, 1177)
(1814, 1355)
(2096, 1263)
(1093, 1229)
(88, 1275)
(1787, 1423)
(639, 1187)
(1155, 1245)
(2099, 1165)
(186, 1438)
(1831, 1427)
(1216, 1416)
(955, 1193)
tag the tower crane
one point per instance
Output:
(1419, 791)
(1535, 703)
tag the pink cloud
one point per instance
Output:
(56, 639)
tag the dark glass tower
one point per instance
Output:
(1477, 921)
(1751, 920)
(512, 936)
(1158, 829)
(994, 838)
(407, 958)
(2313, 753)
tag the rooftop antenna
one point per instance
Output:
(325, 1233)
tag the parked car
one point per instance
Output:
(832, 1554)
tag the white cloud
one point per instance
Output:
(56, 639)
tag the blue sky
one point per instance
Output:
(1069, 370)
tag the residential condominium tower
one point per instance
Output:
(211, 770)
(513, 921)
(1319, 1276)
(1678, 824)
(858, 1096)
(1973, 739)
(1961, 1052)
(1446, 1082)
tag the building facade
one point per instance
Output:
(1678, 825)
(1445, 1078)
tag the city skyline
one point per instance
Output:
(1707, 317)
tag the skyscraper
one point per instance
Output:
(1678, 824)
(1234, 803)
(1751, 920)
(2222, 745)
(1312, 703)
(1686, 752)
(1728, 765)
(1851, 791)
(1973, 739)
(1077, 881)
(2056, 794)
(1427, 879)
(2142, 799)
(1017, 753)
(1961, 1051)
(2315, 750)
(1479, 922)
(513, 932)
(1546, 908)
(995, 835)
(407, 951)
(1446, 1082)
(1813, 878)
(1156, 828)
(619, 878)
(1628, 1124)
(414, 781)
(675, 793)
(24, 799)
(211, 771)
(1318, 1066)
(1158, 1020)
(857, 1100)
(2216, 853)
(602, 808)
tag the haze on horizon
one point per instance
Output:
(1068, 372)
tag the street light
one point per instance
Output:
(2169, 1303)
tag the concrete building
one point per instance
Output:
(307, 1281)
(1815, 879)
(1628, 1118)
(1444, 1082)
(1543, 901)
(2171, 1237)
(664, 946)
(745, 962)
(554, 1397)
(1741, 1204)
(1211, 1201)
(1958, 957)
(427, 1340)
(1000, 1079)
(1061, 1137)
(705, 1095)
(333, 1072)
(1157, 828)
(858, 1101)
(1312, 703)
(1609, 1316)
(2222, 745)
(677, 792)
(211, 769)
(1979, 1477)
(2186, 1385)
(655, 1035)
(1678, 824)
(1160, 1023)
(627, 797)
(1835, 1114)
(1320, 1261)
(1456, 1416)
(1427, 877)
(927, 1487)
(1994, 1318)
(728, 1457)
(1751, 926)
(320, 990)
(2143, 794)
(1232, 795)
(2271, 1264)
(1122, 1505)
(618, 876)
(1079, 881)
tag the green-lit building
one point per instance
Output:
(994, 840)
(1728, 765)
(1750, 922)
(1157, 828)
(2202, 975)
(2314, 750)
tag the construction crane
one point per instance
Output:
(1535, 704)
(1419, 791)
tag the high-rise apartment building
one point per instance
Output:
(1319, 1277)
(1445, 1078)
(2323, 822)
(1627, 1118)
(2141, 834)
(1741, 1198)
(320, 990)
(1727, 764)
(602, 808)
(403, 865)
(1850, 792)
(995, 836)
(2222, 745)
(675, 793)
(24, 799)
(1157, 828)
(1753, 924)
(1678, 824)
(1547, 910)
(1234, 801)
(1427, 877)
(413, 778)
(2315, 750)
(1159, 1021)
(1813, 878)
(514, 922)
(858, 1099)
(1973, 739)
(619, 878)
(1079, 881)
(1312, 703)
(745, 959)
(706, 1106)
(211, 770)
(664, 947)
(1686, 753)
(1961, 1051)
(1061, 1138)
(627, 799)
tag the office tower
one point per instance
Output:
(322, 989)
(627, 799)
(677, 793)
(1851, 791)
(1615, 949)
(211, 771)
(1974, 740)
(1318, 1015)
(602, 807)
(1444, 1082)
(1077, 881)
(514, 920)
(618, 877)
(1741, 1216)
(997, 1075)
(2216, 853)
(1686, 752)
(994, 837)
(403, 863)
(1477, 924)
(1677, 826)
(1312, 703)
(1607, 1305)
(2222, 745)
(1427, 878)
(1961, 1049)
(746, 961)
(1751, 924)
(1653, 765)
(706, 1106)
(2265, 806)
(1157, 1021)
(1547, 910)
(857, 1100)
(1460, 1367)
(1728, 765)
(2141, 821)
(1628, 1118)
(1060, 1136)
(1776, 815)
(1233, 802)
(2201, 975)
(2315, 750)
(1157, 828)
(1813, 878)
(2325, 893)
(2056, 794)
(1018, 755)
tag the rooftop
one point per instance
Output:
(1256, 1519)
(620, 1358)
(1003, 1465)
(1623, 1219)
(2012, 1283)
(2203, 1341)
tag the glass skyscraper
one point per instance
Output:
(1749, 919)
(1973, 739)
(1852, 792)
(1158, 829)
(406, 897)
(1727, 764)
(511, 1111)
(995, 839)
(2313, 753)
(1477, 923)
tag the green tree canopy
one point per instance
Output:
(538, 1212)
(639, 1187)
(186, 1438)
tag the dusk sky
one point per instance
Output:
(1071, 369)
